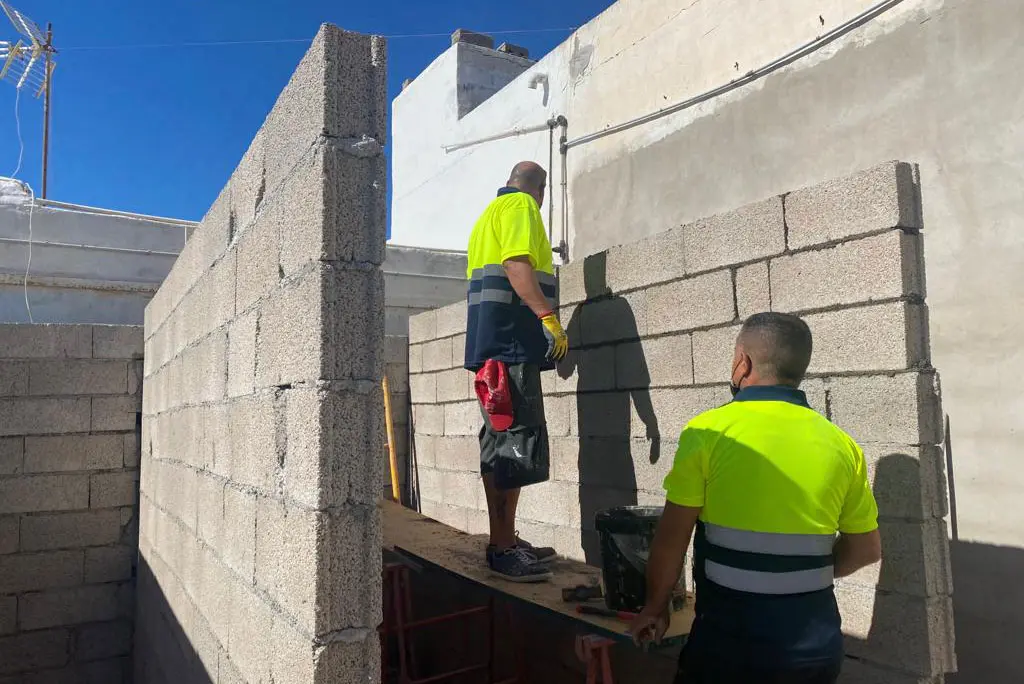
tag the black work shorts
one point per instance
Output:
(696, 667)
(518, 456)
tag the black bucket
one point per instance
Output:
(626, 536)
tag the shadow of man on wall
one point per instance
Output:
(609, 379)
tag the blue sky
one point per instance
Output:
(159, 130)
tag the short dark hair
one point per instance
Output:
(779, 345)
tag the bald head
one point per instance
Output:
(530, 177)
(778, 346)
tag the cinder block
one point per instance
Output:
(883, 266)
(343, 661)
(907, 632)
(713, 352)
(291, 319)
(423, 327)
(900, 409)
(459, 351)
(9, 526)
(429, 482)
(117, 341)
(551, 502)
(44, 416)
(108, 564)
(259, 253)
(654, 362)
(334, 439)
(885, 337)
(257, 439)
(131, 451)
(205, 369)
(423, 388)
(46, 341)
(34, 651)
(247, 185)
(462, 489)
(460, 454)
(651, 260)
(560, 415)
(239, 548)
(674, 408)
(752, 293)
(242, 355)
(691, 303)
(869, 201)
(113, 489)
(416, 358)
(8, 614)
(594, 368)
(12, 455)
(453, 385)
(42, 532)
(135, 378)
(57, 607)
(337, 90)
(816, 390)
(451, 319)
(396, 349)
(909, 482)
(751, 232)
(607, 320)
(35, 571)
(437, 355)
(104, 640)
(114, 413)
(44, 493)
(398, 379)
(77, 377)
(13, 378)
(463, 418)
(354, 322)
(424, 451)
(78, 452)
(915, 560)
(453, 516)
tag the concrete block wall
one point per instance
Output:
(652, 326)
(69, 469)
(263, 429)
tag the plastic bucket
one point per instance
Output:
(626, 535)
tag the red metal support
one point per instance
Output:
(593, 651)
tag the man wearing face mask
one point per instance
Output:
(780, 501)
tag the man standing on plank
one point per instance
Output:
(512, 335)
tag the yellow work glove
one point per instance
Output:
(558, 341)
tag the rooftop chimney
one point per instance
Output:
(514, 50)
(473, 38)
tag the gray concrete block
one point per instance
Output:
(13, 378)
(751, 232)
(884, 337)
(44, 493)
(454, 385)
(472, 38)
(451, 319)
(259, 253)
(204, 370)
(248, 184)
(879, 267)
(346, 662)
(59, 607)
(44, 416)
(594, 368)
(424, 449)
(398, 379)
(437, 355)
(674, 408)
(113, 489)
(654, 362)
(34, 651)
(77, 377)
(354, 323)
(900, 409)
(651, 260)
(423, 327)
(242, 355)
(909, 482)
(459, 351)
(453, 516)
(257, 440)
(9, 540)
(117, 341)
(915, 560)
(42, 532)
(868, 201)
(460, 454)
(907, 632)
(115, 413)
(713, 354)
(463, 418)
(609, 320)
(691, 303)
(423, 388)
(396, 349)
(239, 520)
(46, 341)
(8, 614)
(560, 415)
(103, 640)
(571, 289)
(337, 90)
(554, 503)
(36, 571)
(108, 564)
(291, 319)
(416, 358)
(80, 452)
(752, 290)
(135, 378)
(334, 439)
(12, 455)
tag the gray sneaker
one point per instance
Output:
(516, 565)
(543, 554)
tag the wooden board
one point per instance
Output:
(435, 544)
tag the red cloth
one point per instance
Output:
(495, 395)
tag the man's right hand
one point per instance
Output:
(558, 341)
(649, 626)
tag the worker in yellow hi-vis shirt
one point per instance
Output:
(768, 484)
(512, 334)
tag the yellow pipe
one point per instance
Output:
(395, 494)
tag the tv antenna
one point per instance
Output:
(28, 63)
